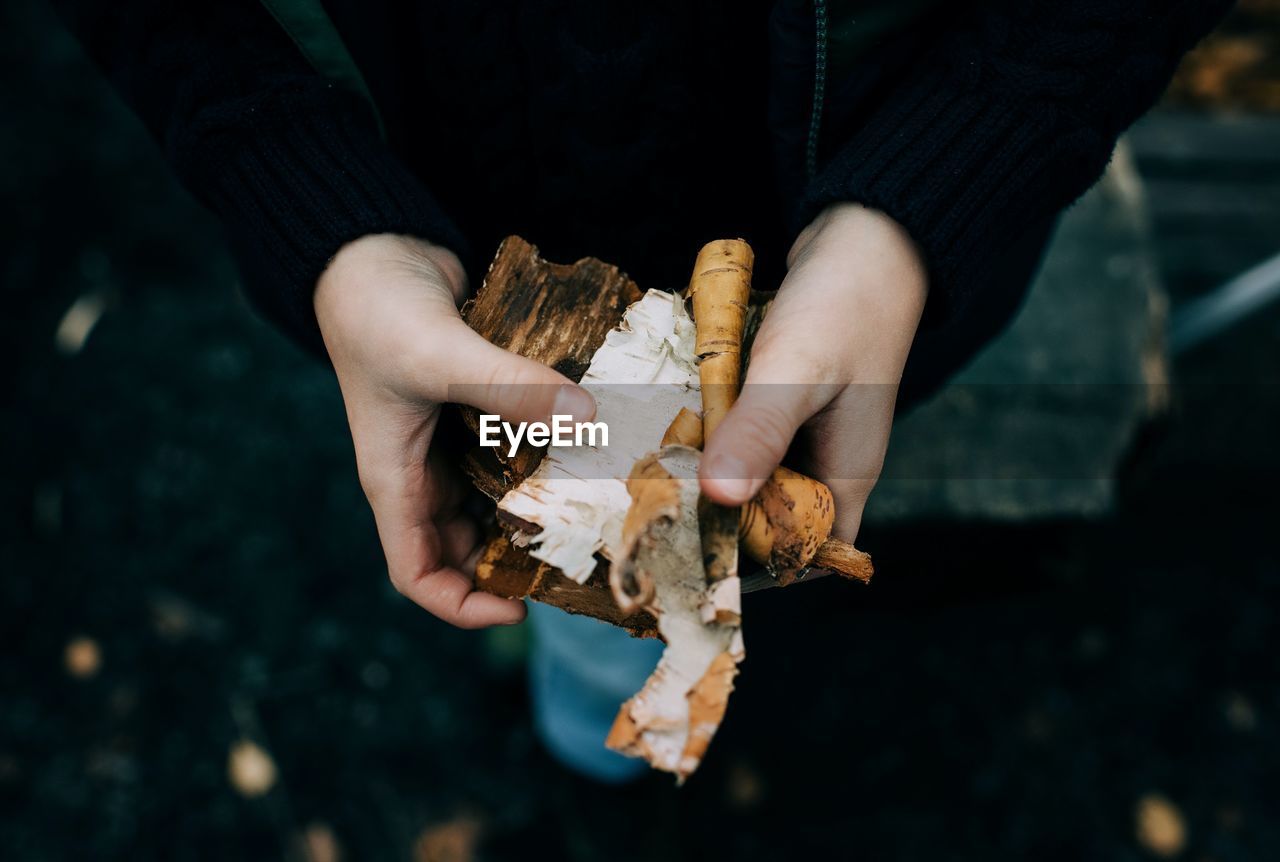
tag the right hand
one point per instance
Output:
(388, 310)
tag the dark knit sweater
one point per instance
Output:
(635, 132)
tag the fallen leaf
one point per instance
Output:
(250, 770)
(452, 841)
(319, 844)
(82, 657)
(1159, 826)
(79, 320)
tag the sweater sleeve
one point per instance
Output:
(1006, 124)
(293, 166)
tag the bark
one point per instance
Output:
(720, 291)
(621, 532)
(510, 572)
(557, 314)
(573, 505)
(671, 720)
(560, 315)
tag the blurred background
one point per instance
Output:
(201, 658)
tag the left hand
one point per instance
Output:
(828, 358)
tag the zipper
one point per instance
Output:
(819, 87)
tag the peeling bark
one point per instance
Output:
(573, 504)
(621, 533)
(508, 571)
(569, 312)
(720, 290)
(556, 314)
(671, 720)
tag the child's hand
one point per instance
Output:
(387, 307)
(828, 357)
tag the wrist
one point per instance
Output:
(865, 267)
(864, 239)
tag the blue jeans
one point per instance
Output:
(580, 671)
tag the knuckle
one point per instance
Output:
(522, 389)
(432, 360)
(765, 425)
(465, 622)
(427, 361)
(495, 377)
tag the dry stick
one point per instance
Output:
(720, 290)
(843, 559)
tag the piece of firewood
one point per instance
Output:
(572, 506)
(556, 314)
(508, 571)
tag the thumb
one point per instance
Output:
(514, 387)
(755, 434)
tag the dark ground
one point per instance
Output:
(182, 491)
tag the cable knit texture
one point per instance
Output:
(634, 132)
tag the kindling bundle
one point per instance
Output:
(621, 531)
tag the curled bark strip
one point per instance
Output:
(508, 571)
(718, 526)
(787, 522)
(671, 720)
(654, 508)
(707, 704)
(720, 291)
(845, 560)
(684, 430)
(576, 499)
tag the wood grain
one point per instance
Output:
(556, 314)
(559, 315)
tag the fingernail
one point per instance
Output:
(728, 475)
(575, 402)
